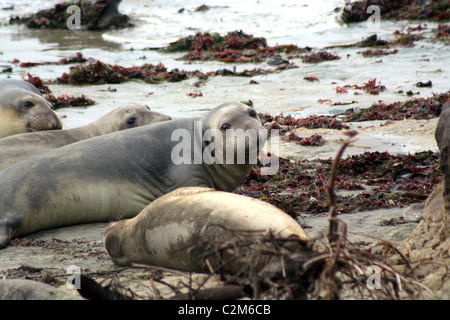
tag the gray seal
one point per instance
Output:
(24, 109)
(20, 147)
(117, 175)
(176, 230)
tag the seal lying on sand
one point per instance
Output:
(23, 109)
(20, 147)
(21, 289)
(118, 174)
(176, 230)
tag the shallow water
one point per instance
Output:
(303, 23)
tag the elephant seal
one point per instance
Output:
(117, 175)
(20, 147)
(22, 289)
(176, 230)
(23, 109)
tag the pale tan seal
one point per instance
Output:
(176, 230)
(23, 109)
(20, 147)
(118, 174)
(22, 289)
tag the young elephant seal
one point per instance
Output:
(20, 147)
(23, 109)
(118, 174)
(176, 230)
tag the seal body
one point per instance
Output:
(178, 229)
(22, 289)
(20, 147)
(116, 175)
(23, 109)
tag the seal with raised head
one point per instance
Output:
(20, 147)
(23, 109)
(117, 175)
(178, 229)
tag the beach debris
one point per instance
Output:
(94, 15)
(421, 84)
(311, 79)
(78, 58)
(195, 94)
(299, 187)
(100, 73)
(285, 123)
(233, 47)
(371, 87)
(442, 33)
(432, 10)
(417, 108)
(64, 101)
(369, 53)
(314, 140)
(319, 57)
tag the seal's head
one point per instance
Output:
(25, 111)
(131, 116)
(236, 128)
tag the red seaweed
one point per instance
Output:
(90, 14)
(434, 10)
(369, 53)
(418, 108)
(314, 140)
(300, 187)
(371, 87)
(319, 57)
(66, 101)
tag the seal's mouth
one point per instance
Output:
(41, 124)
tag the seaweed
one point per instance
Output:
(100, 73)
(417, 108)
(371, 87)
(432, 10)
(78, 58)
(441, 33)
(319, 57)
(299, 187)
(90, 15)
(58, 102)
(233, 47)
(369, 53)
(66, 101)
(314, 140)
(38, 83)
(285, 123)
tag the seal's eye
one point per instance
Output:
(253, 113)
(226, 126)
(148, 107)
(131, 121)
(28, 104)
